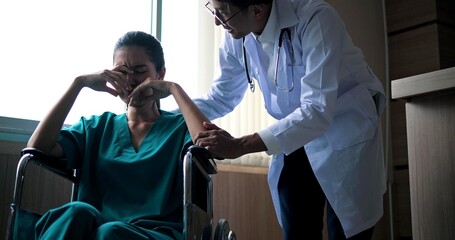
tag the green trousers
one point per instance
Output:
(79, 220)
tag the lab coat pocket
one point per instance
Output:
(355, 119)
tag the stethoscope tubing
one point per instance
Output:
(280, 44)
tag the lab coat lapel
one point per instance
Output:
(284, 80)
(257, 72)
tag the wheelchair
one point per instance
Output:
(197, 198)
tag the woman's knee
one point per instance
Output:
(75, 220)
(118, 230)
(81, 210)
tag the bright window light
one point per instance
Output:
(46, 44)
(180, 45)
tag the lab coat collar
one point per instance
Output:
(271, 28)
(286, 13)
(282, 15)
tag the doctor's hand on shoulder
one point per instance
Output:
(223, 145)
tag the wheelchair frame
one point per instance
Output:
(198, 166)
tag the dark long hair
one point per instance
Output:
(141, 39)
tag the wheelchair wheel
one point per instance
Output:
(223, 231)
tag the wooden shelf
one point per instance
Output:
(427, 83)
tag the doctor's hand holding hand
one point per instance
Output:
(219, 142)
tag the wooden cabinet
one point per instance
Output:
(430, 117)
(420, 37)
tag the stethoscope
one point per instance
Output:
(280, 44)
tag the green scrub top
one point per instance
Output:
(143, 186)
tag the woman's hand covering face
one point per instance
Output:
(150, 89)
(117, 78)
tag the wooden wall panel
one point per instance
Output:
(7, 174)
(9, 156)
(42, 190)
(414, 52)
(404, 14)
(446, 11)
(425, 49)
(243, 198)
(447, 44)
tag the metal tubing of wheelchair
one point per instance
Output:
(17, 194)
(187, 167)
(29, 157)
(208, 178)
(75, 185)
(210, 196)
(187, 178)
(192, 217)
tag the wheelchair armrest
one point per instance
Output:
(204, 158)
(53, 164)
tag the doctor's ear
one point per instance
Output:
(261, 10)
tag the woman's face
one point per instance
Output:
(136, 59)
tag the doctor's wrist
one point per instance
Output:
(252, 143)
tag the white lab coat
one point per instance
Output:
(331, 110)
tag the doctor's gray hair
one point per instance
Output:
(152, 46)
(245, 3)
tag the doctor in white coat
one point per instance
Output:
(326, 144)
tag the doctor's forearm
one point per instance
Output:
(251, 143)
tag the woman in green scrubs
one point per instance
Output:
(131, 164)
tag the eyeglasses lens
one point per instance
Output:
(209, 7)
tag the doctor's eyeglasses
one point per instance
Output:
(216, 13)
